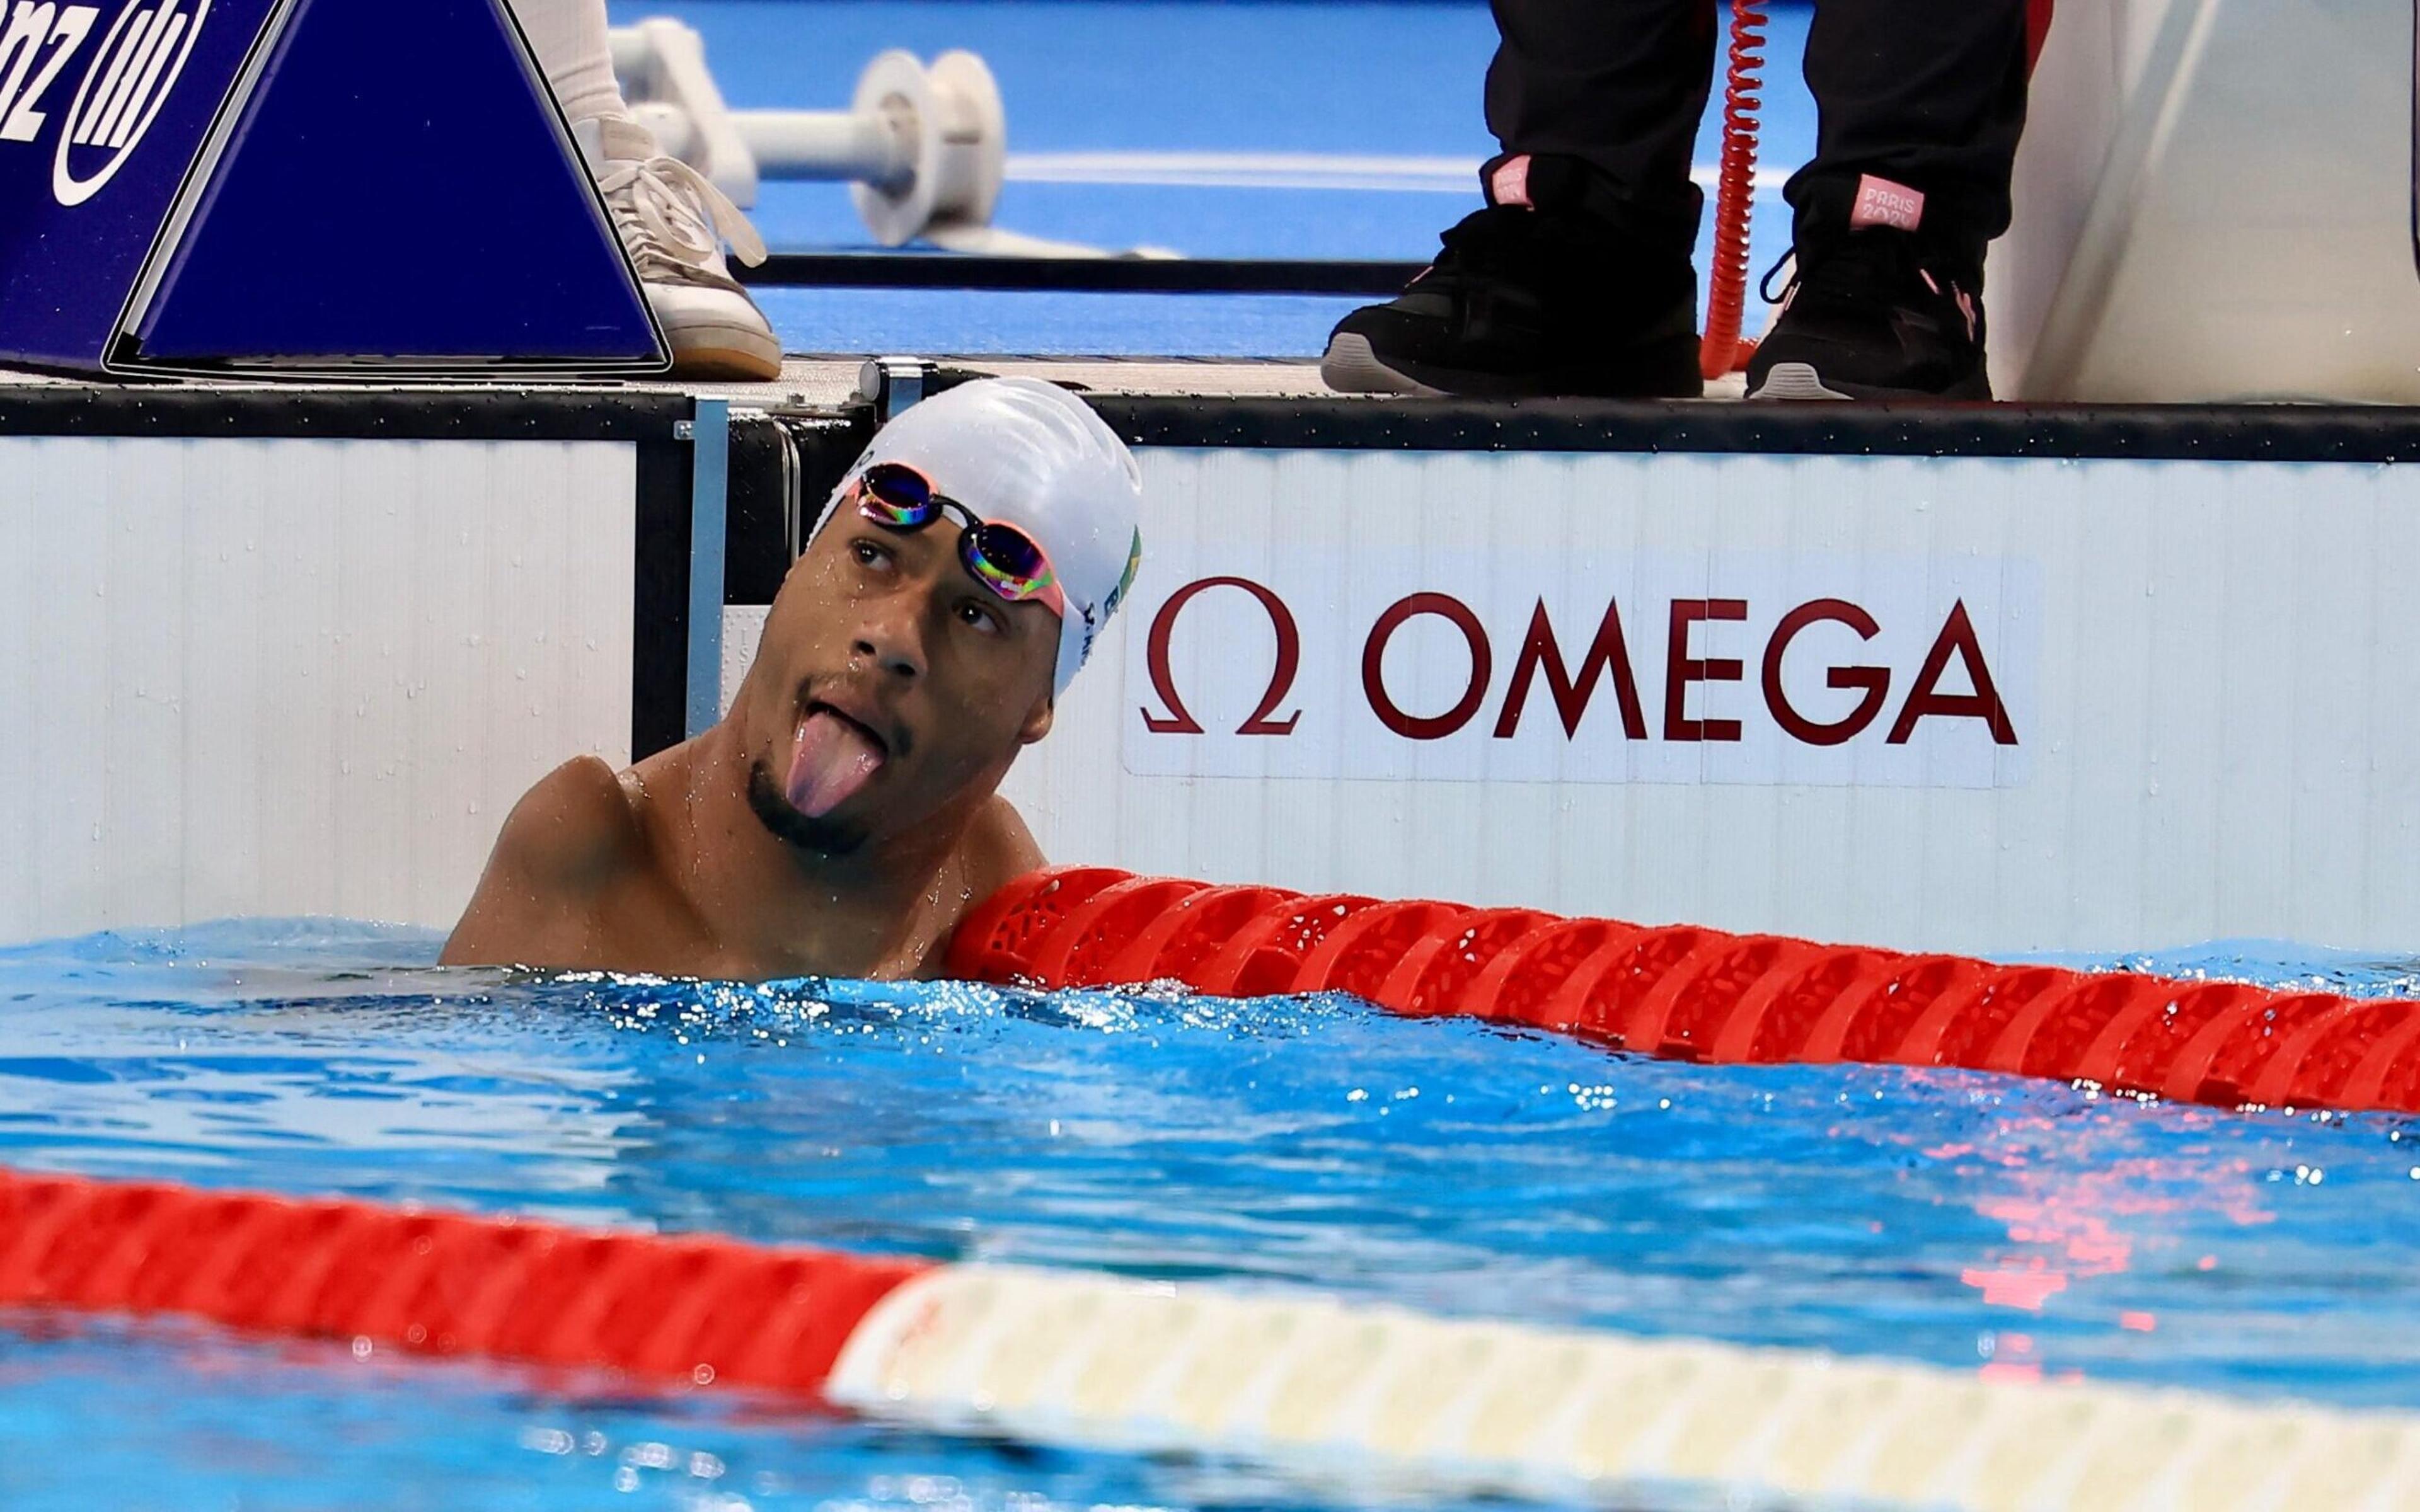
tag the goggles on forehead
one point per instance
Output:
(999, 556)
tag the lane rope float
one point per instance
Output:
(702, 1309)
(1683, 993)
(1387, 1397)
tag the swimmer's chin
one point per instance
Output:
(825, 837)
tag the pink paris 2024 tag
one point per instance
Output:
(1879, 202)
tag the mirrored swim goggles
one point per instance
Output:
(1000, 557)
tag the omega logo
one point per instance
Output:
(1541, 659)
(1178, 721)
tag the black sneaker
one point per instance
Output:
(1531, 297)
(1875, 315)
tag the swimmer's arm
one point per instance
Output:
(561, 844)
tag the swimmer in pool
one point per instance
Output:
(845, 814)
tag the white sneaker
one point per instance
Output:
(674, 222)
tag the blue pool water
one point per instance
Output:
(1970, 1221)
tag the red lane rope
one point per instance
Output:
(701, 1310)
(1722, 349)
(1683, 993)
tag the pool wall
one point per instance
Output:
(1359, 658)
(1963, 703)
(249, 672)
(1991, 680)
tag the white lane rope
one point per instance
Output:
(1390, 1399)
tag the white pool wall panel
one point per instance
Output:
(272, 678)
(2214, 686)
(2213, 201)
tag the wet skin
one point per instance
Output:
(697, 863)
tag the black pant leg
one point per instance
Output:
(1617, 84)
(1926, 93)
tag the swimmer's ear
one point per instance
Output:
(1037, 723)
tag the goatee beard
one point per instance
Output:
(773, 809)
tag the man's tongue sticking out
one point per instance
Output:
(830, 759)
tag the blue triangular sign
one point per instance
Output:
(394, 191)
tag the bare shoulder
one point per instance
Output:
(571, 836)
(576, 826)
(999, 849)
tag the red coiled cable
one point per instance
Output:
(1683, 993)
(1723, 350)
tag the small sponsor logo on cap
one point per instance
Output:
(1125, 579)
(1092, 628)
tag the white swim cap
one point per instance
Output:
(1031, 455)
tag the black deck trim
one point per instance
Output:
(1095, 275)
(822, 444)
(2215, 433)
(659, 598)
(762, 492)
(368, 414)
(2281, 433)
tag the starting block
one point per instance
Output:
(182, 189)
